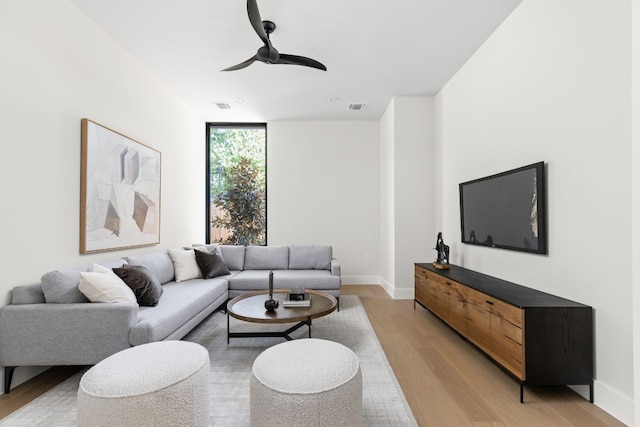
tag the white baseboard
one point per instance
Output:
(377, 280)
(360, 280)
(614, 402)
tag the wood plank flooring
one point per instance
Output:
(446, 380)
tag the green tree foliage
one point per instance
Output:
(243, 204)
(228, 146)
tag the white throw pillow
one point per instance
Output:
(185, 265)
(98, 268)
(103, 285)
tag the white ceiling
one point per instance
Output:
(373, 50)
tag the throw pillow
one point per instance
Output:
(144, 285)
(61, 286)
(211, 264)
(211, 247)
(185, 265)
(104, 286)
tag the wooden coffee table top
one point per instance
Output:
(250, 307)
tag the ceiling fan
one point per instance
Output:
(267, 53)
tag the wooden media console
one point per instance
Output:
(538, 338)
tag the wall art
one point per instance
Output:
(119, 191)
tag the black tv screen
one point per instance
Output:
(506, 210)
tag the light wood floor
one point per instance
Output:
(447, 381)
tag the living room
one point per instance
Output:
(553, 83)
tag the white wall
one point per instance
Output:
(387, 199)
(322, 188)
(407, 159)
(553, 83)
(635, 196)
(58, 67)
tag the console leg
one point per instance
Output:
(521, 393)
(8, 376)
(591, 391)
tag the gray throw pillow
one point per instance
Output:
(144, 285)
(211, 264)
(61, 286)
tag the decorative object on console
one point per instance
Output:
(119, 191)
(442, 262)
(271, 304)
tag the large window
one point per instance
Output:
(236, 184)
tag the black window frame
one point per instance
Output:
(231, 125)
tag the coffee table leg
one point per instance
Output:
(284, 334)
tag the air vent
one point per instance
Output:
(357, 107)
(223, 106)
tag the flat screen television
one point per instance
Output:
(506, 210)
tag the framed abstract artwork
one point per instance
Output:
(119, 191)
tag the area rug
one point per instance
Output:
(384, 403)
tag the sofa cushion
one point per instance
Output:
(252, 280)
(144, 285)
(266, 258)
(311, 279)
(61, 286)
(211, 264)
(179, 304)
(158, 263)
(310, 257)
(233, 256)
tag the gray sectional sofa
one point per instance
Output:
(53, 323)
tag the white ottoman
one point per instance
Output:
(306, 382)
(158, 384)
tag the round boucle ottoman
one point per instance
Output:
(306, 382)
(158, 384)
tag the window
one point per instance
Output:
(236, 184)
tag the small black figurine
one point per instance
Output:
(443, 253)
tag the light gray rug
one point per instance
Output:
(384, 403)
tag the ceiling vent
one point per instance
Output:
(223, 106)
(357, 107)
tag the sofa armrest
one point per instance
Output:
(335, 267)
(63, 334)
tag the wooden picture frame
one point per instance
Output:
(119, 191)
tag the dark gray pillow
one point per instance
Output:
(211, 264)
(144, 285)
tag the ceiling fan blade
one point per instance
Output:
(256, 21)
(300, 60)
(242, 65)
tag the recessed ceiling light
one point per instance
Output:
(239, 101)
(335, 99)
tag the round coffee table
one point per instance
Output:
(250, 308)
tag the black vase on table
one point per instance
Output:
(271, 304)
